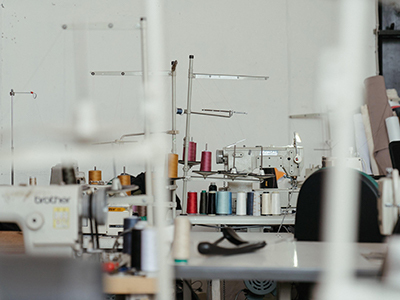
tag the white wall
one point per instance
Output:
(280, 39)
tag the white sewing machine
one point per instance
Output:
(50, 216)
(252, 160)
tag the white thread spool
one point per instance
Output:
(266, 204)
(241, 204)
(181, 246)
(149, 262)
(393, 128)
(276, 203)
(257, 204)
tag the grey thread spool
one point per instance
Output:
(203, 202)
(224, 203)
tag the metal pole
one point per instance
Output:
(187, 134)
(173, 150)
(145, 79)
(173, 76)
(12, 93)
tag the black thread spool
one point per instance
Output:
(136, 253)
(128, 224)
(212, 187)
(203, 202)
(212, 195)
(250, 203)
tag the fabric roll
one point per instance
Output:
(361, 143)
(379, 110)
(370, 141)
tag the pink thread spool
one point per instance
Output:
(205, 164)
(191, 152)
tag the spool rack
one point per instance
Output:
(208, 112)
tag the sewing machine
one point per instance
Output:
(50, 216)
(253, 160)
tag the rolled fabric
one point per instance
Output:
(379, 110)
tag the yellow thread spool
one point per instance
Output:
(94, 176)
(125, 180)
(172, 165)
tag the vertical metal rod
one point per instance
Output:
(145, 79)
(12, 137)
(187, 134)
(173, 89)
(173, 79)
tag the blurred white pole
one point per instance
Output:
(156, 112)
(342, 84)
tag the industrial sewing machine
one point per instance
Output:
(50, 216)
(254, 160)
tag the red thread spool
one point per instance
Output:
(191, 152)
(192, 203)
(205, 164)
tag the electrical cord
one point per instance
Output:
(121, 233)
(238, 293)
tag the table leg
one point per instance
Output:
(215, 289)
(284, 290)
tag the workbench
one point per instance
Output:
(283, 259)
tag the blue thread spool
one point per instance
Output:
(250, 203)
(224, 203)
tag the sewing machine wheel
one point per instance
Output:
(259, 287)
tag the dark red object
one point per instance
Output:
(205, 161)
(192, 203)
(191, 152)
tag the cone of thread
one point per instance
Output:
(172, 165)
(205, 164)
(181, 245)
(94, 176)
(125, 180)
(192, 202)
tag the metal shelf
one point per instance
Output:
(241, 220)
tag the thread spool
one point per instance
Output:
(203, 202)
(205, 164)
(257, 204)
(212, 199)
(94, 176)
(191, 152)
(136, 249)
(192, 203)
(241, 204)
(276, 203)
(149, 262)
(142, 211)
(224, 203)
(172, 165)
(212, 187)
(181, 245)
(266, 204)
(32, 181)
(125, 180)
(250, 203)
(129, 223)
